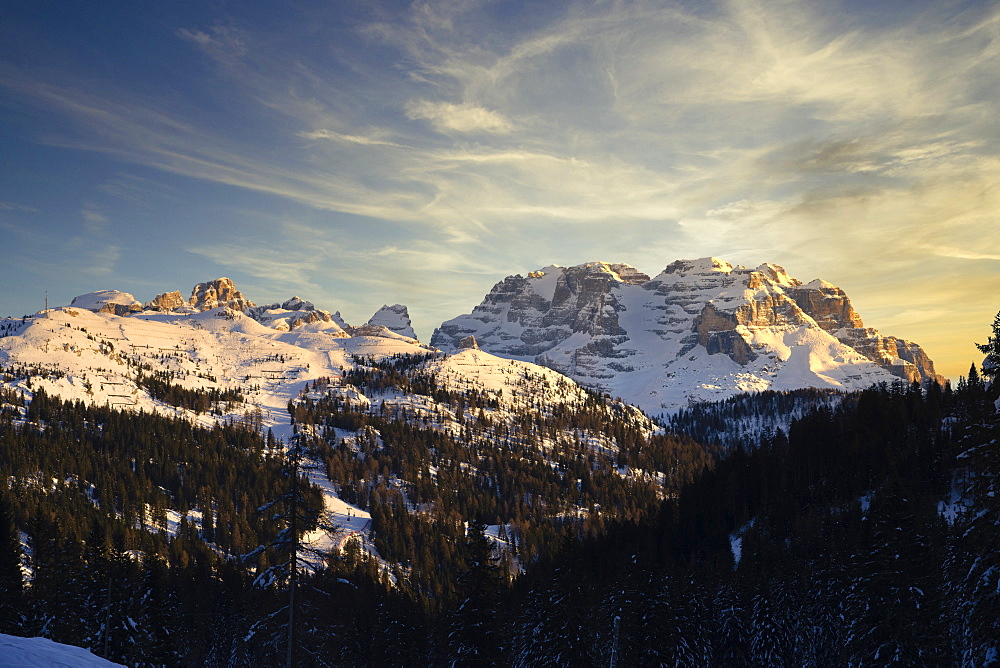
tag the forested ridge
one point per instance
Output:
(864, 534)
(864, 537)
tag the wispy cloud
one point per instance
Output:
(960, 254)
(94, 222)
(10, 206)
(348, 139)
(464, 118)
(468, 131)
(101, 262)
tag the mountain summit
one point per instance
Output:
(701, 329)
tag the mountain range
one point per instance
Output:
(701, 330)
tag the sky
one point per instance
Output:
(358, 153)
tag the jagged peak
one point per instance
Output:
(617, 271)
(546, 271)
(820, 284)
(166, 301)
(293, 304)
(339, 319)
(700, 266)
(220, 292)
(777, 274)
(395, 318)
(297, 304)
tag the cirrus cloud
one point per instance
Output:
(464, 118)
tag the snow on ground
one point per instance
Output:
(19, 652)
(97, 357)
(350, 522)
(736, 545)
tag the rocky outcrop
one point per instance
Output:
(380, 331)
(291, 314)
(167, 301)
(899, 357)
(831, 308)
(547, 307)
(617, 329)
(468, 343)
(220, 292)
(717, 333)
(337, 318)
(827, 304)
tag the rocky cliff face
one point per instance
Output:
(395, 318)
(700, 328)
(167, 301)
(220, 292)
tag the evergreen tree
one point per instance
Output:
(896, 606)
(477, 635)
(11, 580)
(298, 510)
(158, 610)
(732, 637)
(974, 565)
(991, 365)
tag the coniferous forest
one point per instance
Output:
(866, 533)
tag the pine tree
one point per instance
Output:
(476, 634)
(11, 581)
(974, 565)
(732, 641)
(298, 512)
(159, 638)
(991, 365)
(896, 599)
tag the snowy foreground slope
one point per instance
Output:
(43, 653)
(701, 330)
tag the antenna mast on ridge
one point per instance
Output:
(46, 300)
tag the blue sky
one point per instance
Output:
(358, 153)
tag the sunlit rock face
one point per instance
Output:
(468, 343)
(220, 292)
(701, 328)
(167, 301)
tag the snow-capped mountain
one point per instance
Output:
(101, 347)
(395, 318)
(700, 330)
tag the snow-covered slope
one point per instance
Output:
(254, 362)
(43, 653)
(700, 330)
(108, 301)
(101, 358)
